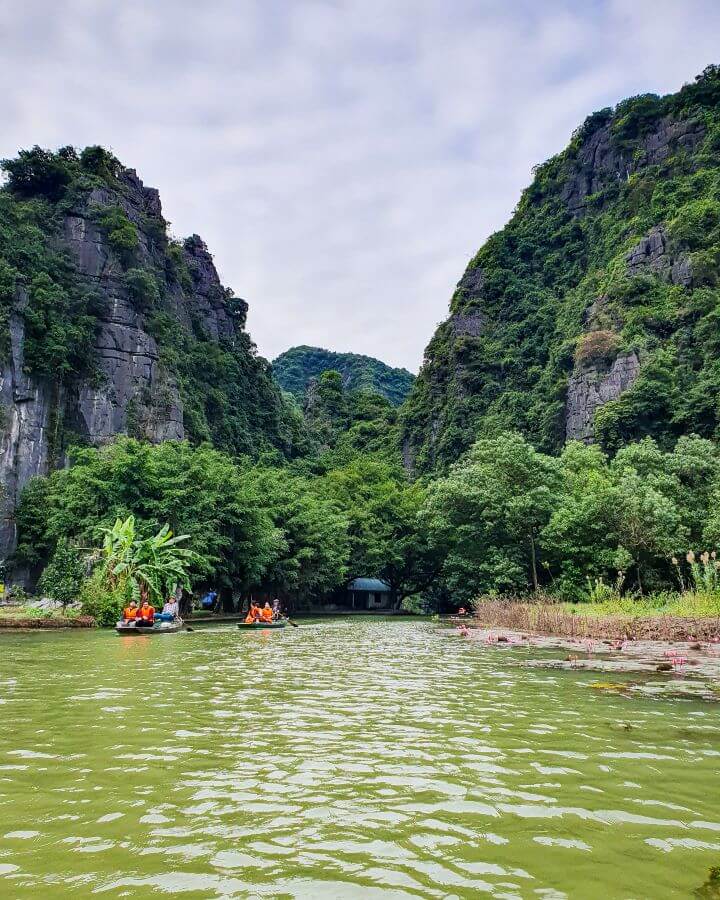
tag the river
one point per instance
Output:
(343, 759)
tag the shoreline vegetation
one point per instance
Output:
(600, 621)
(24, 617)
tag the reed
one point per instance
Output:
(545, 616)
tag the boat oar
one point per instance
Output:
(294, 624)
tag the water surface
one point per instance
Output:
(352, 758)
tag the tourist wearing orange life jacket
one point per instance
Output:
(130, 612)
(266, 613)
(145, 616)
(253, 613)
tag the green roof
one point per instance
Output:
(370, 584)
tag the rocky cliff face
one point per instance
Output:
(619, 234)
(602, 159)
(134, 383)
(592, 386)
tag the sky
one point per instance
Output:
(342, 159)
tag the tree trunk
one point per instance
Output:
(639, 579)
(533, 562)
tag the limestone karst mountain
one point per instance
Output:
(593, 314)
(108, 327)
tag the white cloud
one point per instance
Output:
(343, 160)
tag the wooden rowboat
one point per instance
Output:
(129, 628)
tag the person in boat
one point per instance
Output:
(276, 609)
(130, 612)
(266, 613)
(171, 608)
(253, 614)
(145, 616)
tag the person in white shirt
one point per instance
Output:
(171, 607)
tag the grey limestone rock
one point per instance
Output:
(471, 323)
(590, 387)
(653, 255)
(601, 160)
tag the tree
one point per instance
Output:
(63, 576)
(580, 540)
(649, 523)
(490, 510)
(145, 568)
(311, 557)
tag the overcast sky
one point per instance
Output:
(343, 159)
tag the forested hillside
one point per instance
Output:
(297, 367)
(108, 326)
(593, 314)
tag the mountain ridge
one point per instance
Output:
(298, 366)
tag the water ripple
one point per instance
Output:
(358, 758)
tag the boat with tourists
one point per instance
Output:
(159, 626)
(144, 619)
(263, 616)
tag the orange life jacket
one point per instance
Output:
(146, 612)
(266, 614)
(130, 612)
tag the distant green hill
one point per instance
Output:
(295, 368)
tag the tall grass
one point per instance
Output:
(610, 610)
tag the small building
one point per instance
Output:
(370, 593)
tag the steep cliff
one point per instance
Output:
(109, 327)
(593, 314)
(298, 366)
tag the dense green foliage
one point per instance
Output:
(196, 491)
(298, 534)
(558, 270)
(506, 518)
(298, 366)
(511, 515)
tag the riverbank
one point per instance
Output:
(562, 620)
(42, 617)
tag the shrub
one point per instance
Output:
(697, 223)
(101, 602)
(38, 173)
(63, 576)
(99, 161)
(596, 346)
(122, 234)
(143, 288)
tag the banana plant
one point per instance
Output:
(149, 567)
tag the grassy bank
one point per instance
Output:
(679, 619)
(33, 617)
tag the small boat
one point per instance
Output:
(161, 627)
(258, 626)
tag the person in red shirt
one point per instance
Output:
(145, 616)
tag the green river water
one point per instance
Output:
(352, 758)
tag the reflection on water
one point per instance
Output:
(345, 759)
